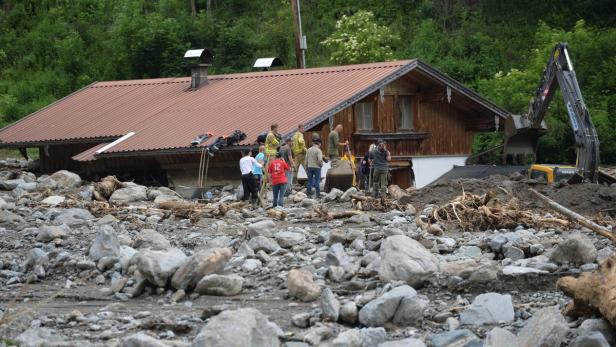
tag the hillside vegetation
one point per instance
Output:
(49, 48)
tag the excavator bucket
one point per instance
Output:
(521, 140)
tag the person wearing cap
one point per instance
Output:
(277, 170)
(379, 158)
(313, 164)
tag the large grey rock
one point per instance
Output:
(365, 337)
(266, 244)
(38, 337)
(488, 308)
(455, 338)
(499, 337)
(302, 286)
(601, 325)
(133, 193)
(163, 198)
(238, 328)
(48, 233)
(547, 327)
(408, 342)
(148, 238)
(10, 217)
(513, 252)
(405, 259)
(157, 266)
(36, 257)
(24, 188)
(401, 305)
(73, 216)
(346, 197)
(595, 339)
(330, 306)
(66, 180)
(10, 184)
(578, 249)
(337, 256)
(220, 285)
(348, 313)
(141, 339)
(288, 239)
(264, 227)
(333, 195)
(200, 264)
(106, 244)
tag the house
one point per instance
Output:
(146, 126)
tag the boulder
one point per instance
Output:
(488, 308)
(499, 337)
(157, 266)
(595, 339)
(346, 197)
(141, 339)
(263, 243)
(200, 264)
(578, 249)
(348, 313)
(149, 238)
(547, 327)
(365, 337)
(336, 256)
(589, 326)
(408, 342)
(35, 337)
(288, 239)
(330, 307)
(66, 180)
(455, 338)
(132, 193)
(105, 244)
(163, 198)
(36, 257)
(238, 328)
(333, 195)
(10, 184)
(301, 285)
(264, 227)
(405, 259)
(220, 285)
(10, 217)
(401, 304)
(48, 233)
(73, 216)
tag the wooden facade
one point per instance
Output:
(440, 127)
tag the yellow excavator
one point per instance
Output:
(522, 132)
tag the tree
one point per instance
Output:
(358, 39)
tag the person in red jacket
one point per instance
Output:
(277, 170)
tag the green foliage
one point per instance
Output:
(358, 39)
(49, 48)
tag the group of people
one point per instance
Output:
(278, 161)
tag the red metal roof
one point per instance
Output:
(165, 114)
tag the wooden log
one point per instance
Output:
(592, 292)
(274, 213)
(576, 217)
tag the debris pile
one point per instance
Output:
(117, 263)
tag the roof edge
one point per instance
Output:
(48, 106)
(57, 142)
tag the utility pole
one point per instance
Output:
(300, 40)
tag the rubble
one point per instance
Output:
(118, 263)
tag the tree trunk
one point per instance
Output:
(208, 8)
(592, 292)
(193, 8)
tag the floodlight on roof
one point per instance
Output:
(266, 63)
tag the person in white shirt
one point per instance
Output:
(248, 180)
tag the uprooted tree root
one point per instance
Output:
(592, 292)
(102, 190)
(474, 212)
(382, 204)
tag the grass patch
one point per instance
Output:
(5, 153)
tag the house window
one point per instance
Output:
(405, 112)
(363, 112)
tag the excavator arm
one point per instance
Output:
(522, 132)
